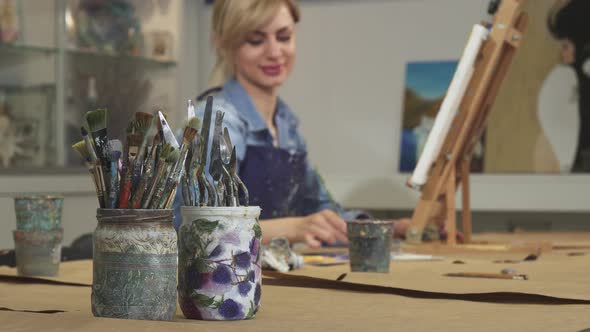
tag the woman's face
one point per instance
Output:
(267, 56)
(568, 52)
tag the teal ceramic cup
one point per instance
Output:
(38, 212)
(369, 245)
(38, 235)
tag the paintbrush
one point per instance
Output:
(190, 131)
(144, 181)
(84, 153)
(97, 124)
(191, 176)
(144, 124)
(98, 169)
(186, 177)
(156, 200)
(133, 142)
(212, 193)
(129, 130)
(151, 156)
(115, 150)
(89, 146)
(158, 174)
(488, 275)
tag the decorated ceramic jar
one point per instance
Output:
(219, 275)
(135, 264)
(38, 235)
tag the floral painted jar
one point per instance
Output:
(219, 275)
(135, 264)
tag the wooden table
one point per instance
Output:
(555, 273)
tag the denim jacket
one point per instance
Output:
(247, 127)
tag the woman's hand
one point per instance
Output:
(324, 226)
(401, 227)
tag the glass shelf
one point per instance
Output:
(124, 57)
(19, 49)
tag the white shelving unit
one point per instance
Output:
(44, 56)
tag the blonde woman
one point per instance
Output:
(255, 41)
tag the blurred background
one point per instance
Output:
(372, 71)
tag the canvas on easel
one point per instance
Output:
(445, 162)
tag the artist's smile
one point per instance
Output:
(273, 70)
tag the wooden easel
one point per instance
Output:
(452, 166)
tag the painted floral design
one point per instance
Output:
(219, 267)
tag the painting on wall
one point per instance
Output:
(426, 84)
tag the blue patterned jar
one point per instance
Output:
(219, 275)
(135, 264)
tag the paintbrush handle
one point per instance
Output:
(125, 190)
(95, 180)
(138, 194)
(168, 202)
(101, 143)
(159, 173)
(114, 188)
(160, 188)
(186, 196)
(101, 186)
(488, 275)
(168, 188)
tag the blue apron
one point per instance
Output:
(275, 179)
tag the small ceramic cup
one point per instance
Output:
(369, 245)
(38, 234)
(38, 212)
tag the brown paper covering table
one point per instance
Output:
(555, 273)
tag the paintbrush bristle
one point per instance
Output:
(173, 156)
(134, 139)
(157, 139)
(97, 120)
(143, 121)
(166, 151)
(194, 123)
(131, 127)
(80, 147)
(189, 133)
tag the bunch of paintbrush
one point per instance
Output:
(95, 150)
(147, 172)
(218, 184)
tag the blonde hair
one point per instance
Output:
(231, 23)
